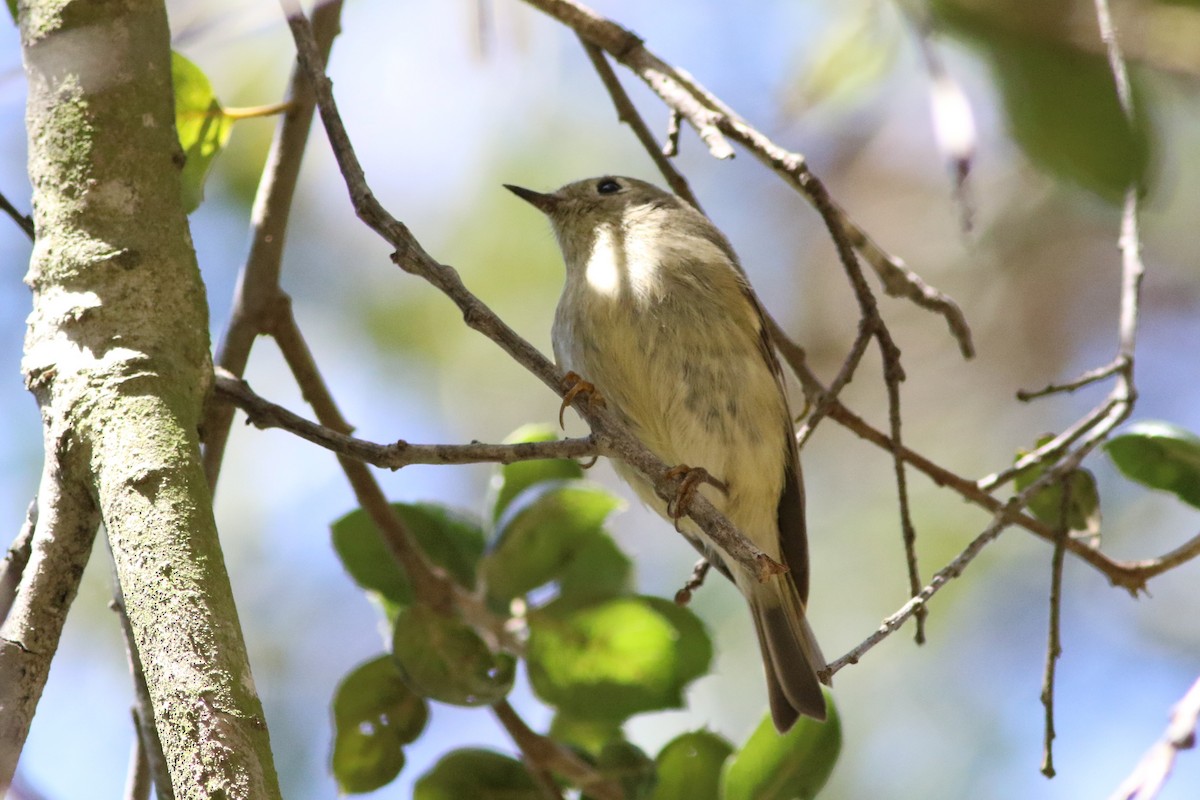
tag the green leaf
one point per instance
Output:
(202, 125)
(12, 9)
(541, 532)
(1160, 455)
(479, 775)
(1083, 508)
(451, 540)
(588, 735)
(689, 767)
(512, 479)
(791, 766)
(616, 658)
(444, 659)
(1060, 103)
(629, 766)
(374, 714)
(598, 571)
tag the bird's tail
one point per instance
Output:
(791, 656)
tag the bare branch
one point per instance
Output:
(258, 287)
(1153, 770)
(627, 113)
(714, 121)
(548, 753)
(265, 414)
(147, 746)
(610, 434)
(67, 520)
(1003, 518)
(1131, 576)
(24, 221)
(15, 560)
(1054, 637)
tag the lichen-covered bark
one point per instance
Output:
(117, 353)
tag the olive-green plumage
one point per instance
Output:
(657, 314)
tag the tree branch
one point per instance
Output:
(1153, 770)
(117, 354)
(262, 413)
(258, 286)
(609, 433)
(714, 121)
(61, 541)
(15, 560)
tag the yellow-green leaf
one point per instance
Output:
(202, 125)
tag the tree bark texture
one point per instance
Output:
(117, 353)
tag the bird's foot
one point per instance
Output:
(692, 478)
(573, 386)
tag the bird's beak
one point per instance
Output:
(546, 203)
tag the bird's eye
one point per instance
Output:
(608, 186)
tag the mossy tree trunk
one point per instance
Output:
(117, 353)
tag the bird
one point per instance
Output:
(657, 318)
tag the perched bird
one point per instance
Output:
(656, 314)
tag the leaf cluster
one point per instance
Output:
(595, 651)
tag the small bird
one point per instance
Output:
(657, 316)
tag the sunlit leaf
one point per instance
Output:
(1160, 455)
(375, 714)
(689, 767)
(478, 775)
(791, 766)
(541, 532)
(202, 125)
(586, 734)
(444, 659)
(615, 658)
(598, 570)
(512, 479)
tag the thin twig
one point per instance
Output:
(1131, 576)
(24, 221)
(893, 374)
(429, 583)
(148, 746)
(717, 124)
(137, 778)
(262, 413)
(545, 751)
(694, 582)
(611, 435)
(15, 560)
(627, 113)
(1148, 777)
(1054, 635)
(1002, 519)
(953, 121)
(908, 529)
(670, 147)
(1086, 379)
(829, 396)
(258, 282)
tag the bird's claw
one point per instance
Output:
(692, 478)
(573, 386)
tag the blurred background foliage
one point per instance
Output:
(448, 100)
